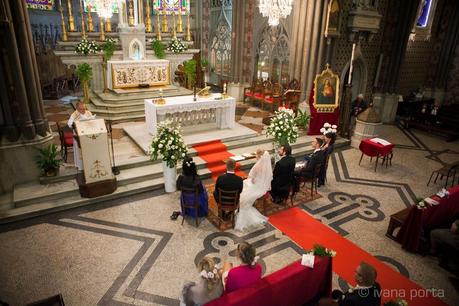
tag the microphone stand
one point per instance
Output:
(115, 169)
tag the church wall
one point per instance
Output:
(452, 85)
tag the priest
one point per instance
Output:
(81, 113)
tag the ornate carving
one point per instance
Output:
(129, 75)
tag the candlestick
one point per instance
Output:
(165, 27)
(174, 32)
(90, 24)
(158, 27)
(83, 31)
(101, 31)
(108, 25)
(64, 31)
(351, 66)
(148, 27)
(131, 14)
(179, 20)
(70, 16)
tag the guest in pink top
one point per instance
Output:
(245, 274)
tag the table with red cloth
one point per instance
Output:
(434, 216)
(292, 285)
(372, 149)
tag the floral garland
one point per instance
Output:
(85, 47)
(398, 302)
(321, 251)
(283, 127)
(177, 46)
(168, 144)
(328, 128)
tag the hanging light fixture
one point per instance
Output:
(275, 9)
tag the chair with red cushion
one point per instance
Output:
(275, 100)
(268, 95)
(248, 91)
(66, 139)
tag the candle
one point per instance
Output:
(224, 88)
(351, 65)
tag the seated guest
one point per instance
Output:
(445, 243)
(358, 106)
(190, 179)
(314, 159)
(228, 181)
(283, 175)
(366, 293)
(209, 286)
(327, 149)
(244, 275)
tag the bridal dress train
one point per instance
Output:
(255, 186)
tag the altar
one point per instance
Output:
(185, 111)
(132, 73)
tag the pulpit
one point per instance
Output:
(97, 178)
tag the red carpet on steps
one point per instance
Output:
(214, 153)
(306, 231)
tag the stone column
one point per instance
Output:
(237, 41)
(307, 43)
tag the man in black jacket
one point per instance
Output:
(228, 181)
(283, 175)
(315, 158)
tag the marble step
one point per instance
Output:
(121, 97)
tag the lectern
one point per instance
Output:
(97, 178)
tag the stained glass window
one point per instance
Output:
(95, 6)
(171, 5)
(423, 18)
(40, 4)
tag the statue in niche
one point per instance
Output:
(333, 17)
(135, 50)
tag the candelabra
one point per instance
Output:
(90, 24)
(165, 27)
(64, 31)
(158, 27)
(174, 32)
(179, 20)
(108, 25)
(70, 16)
(148, 27)
(83, 31)
(131, 14)
(101, 32)
(188, 31)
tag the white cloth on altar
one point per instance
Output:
(255, 186)
(225, 110)
(77, 116)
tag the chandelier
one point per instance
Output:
(275, 9)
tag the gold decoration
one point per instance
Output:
(140, 11)
(102, 32)
(326, 91)
(108, 25)
(159, 101)
(70, 16)
(90, 24)
(131, 14)
(83, 31)
(174, 32)
(188, 31)
(158, 27)
(205, 92)
(165, 26)
(148, 27)
(179, 21)
(64, 31)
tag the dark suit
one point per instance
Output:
(283, 178)
(228, 182)
(362, 297)
(315, 159)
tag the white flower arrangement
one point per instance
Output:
(421, 205)
(283, 127)
(321, 251)
(85, 47)
(168, 144)
(329, 128)
(177, 46)
(208, 275)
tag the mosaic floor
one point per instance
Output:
(129, 251)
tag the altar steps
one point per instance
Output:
(137, 176)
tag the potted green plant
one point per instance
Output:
(169, 146)
(158, 48)
(302, 120)
(48, 160)
(190, 72)
(108, 49)
(84, 73)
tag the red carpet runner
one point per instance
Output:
(214, 153)
(305, 231)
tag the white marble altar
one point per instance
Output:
(129, 74)
(186, 111)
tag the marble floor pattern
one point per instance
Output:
(128, 251)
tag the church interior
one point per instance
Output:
(229, 152)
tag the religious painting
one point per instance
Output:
(424, 12)
(40, 4)
(326, 91)
(333, 19)
(171, 6)
(95, 6)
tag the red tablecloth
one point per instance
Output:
(371, 148)
(292, 285)
(318, 120)
(427, 219)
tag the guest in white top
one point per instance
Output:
(81, 113)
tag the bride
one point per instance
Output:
(255, 186)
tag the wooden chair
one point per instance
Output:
(273, 97)
(314, 180)
(292, 95)
(396, 221)
(189, 198)
(248, 91)
(66, 139)
(228, 202)
(259, 94)
(448, 170)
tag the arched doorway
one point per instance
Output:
(359, 78)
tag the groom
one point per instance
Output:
(283, 174)
(228, 181)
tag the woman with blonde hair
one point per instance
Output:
(209, 286)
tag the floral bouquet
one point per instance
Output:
(421, 204)
(398, 302)
(177, 46)
(168, 144)
(321, 251)
(283, 127)
(86, 47)
(328, 128)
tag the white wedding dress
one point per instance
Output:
(255, 186)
